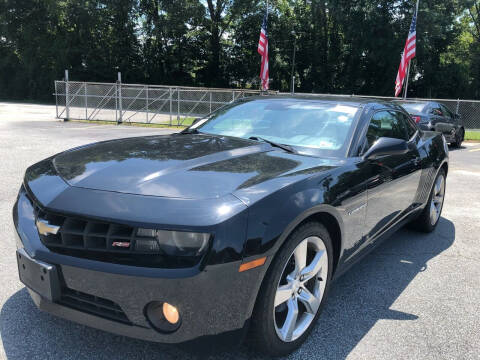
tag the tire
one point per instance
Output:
(425, 221)
(459, 138)
(269, 328)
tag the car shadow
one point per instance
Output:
(455, 148)
(357, 301)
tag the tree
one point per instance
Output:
(343, 46)
(472, 27)
(171, 40)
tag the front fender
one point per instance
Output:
(269, 224)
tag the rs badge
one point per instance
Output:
(121, 244)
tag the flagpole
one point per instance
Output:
(261, 85)
(267, 44)
(406, 83)
(410, 62)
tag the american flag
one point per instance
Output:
(408, 53)
(263, 51)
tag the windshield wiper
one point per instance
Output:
(285, 147)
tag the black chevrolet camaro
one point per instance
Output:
(237, 225)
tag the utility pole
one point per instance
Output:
(293, 61)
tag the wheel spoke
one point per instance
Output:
(318, 262)
(441, 186)
(437, 199)
(300, 256)
(437, 187)
(433, 213)
(311, 302)
(283, 293)
(290, 321)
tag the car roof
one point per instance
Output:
(414, 102)
(339, 99)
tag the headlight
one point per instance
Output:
(175, 243)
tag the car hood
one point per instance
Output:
(186, 166)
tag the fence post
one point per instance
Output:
(86, 102)
(458, 106)
(56, 98)
(233, 95)
(67, 98)
(116, 103)
(171, 108)
(146, 93)
(210, 102)
(178, 106)
(119, 94)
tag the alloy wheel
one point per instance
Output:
(437, 199)
(300, 289)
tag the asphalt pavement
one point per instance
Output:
(416, 296)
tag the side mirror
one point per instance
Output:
(386, 146)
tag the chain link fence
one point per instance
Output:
(178, 106)
(469, 110)
(173, 106)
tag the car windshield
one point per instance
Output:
(308, 124)
(413, 108)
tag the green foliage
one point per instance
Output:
(343, 46)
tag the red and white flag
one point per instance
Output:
(263, 51)
(408, 53)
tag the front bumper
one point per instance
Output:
(214, 301)
(209, 305)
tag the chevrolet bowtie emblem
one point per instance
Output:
(45, 228)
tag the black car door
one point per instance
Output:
(394, 179)
(450, 117)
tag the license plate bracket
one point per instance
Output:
(39, 276)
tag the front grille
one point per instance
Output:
(95, 240)
(82, 234)
(93, 305)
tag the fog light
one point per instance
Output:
(163, 316)
(171, 313)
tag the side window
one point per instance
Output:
(446, 111)
(386, 124)
(436, 110)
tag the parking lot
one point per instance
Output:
(416, 296)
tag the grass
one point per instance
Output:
(186, 122)
(472, 135)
